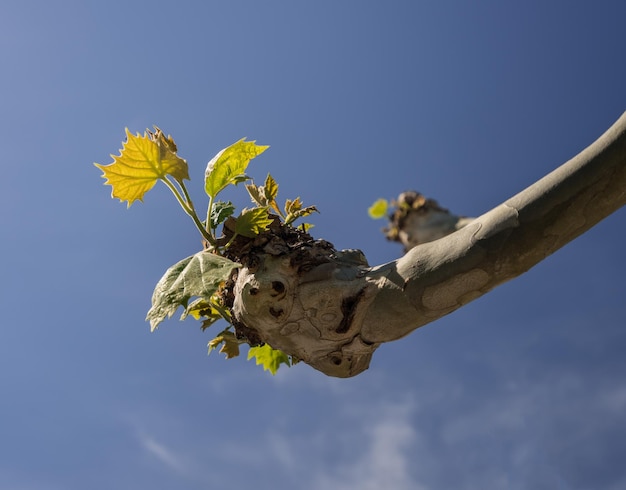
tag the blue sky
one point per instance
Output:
(467, 102)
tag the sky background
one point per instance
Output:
(466, 102)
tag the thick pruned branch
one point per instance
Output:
(335, 313)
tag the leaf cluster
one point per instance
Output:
(196, 282)
(265, 197)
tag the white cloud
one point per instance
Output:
(386, 458)
(522, 431)
(162, 453)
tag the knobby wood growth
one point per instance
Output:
(332, 310)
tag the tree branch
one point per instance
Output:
(417, 219)
(334, 315)
(438, 277)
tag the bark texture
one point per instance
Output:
(335, 313)
(417, 219)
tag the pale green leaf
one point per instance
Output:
(197, 276)
(269, 358)
(142, 161)
(378, 209)
(251, 222)
(229, 166)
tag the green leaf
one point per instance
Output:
(300, 213)
(270, 188)
(210, 311)
(294, 210)
(251, 222)
(198, 308)
(142, 161)
(269, 358)
(220, 212)
(208, 322)
(265, 195)
(229, 166)
(378, 209)
(230, 344)
(293, 206)
(305, 227)
(200, 275)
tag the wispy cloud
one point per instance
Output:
(384, 461)
(487, 421)
(165, 455)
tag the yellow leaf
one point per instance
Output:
(378, 209)
(142, 161)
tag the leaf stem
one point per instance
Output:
(187, 205)
(209, 211)
(235, 235)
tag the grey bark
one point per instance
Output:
(336, 314)
(418, 220)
